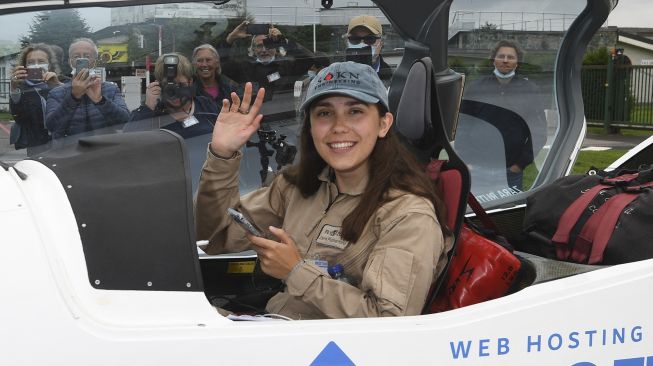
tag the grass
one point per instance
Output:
(5, 116)
(623, 131)
(585, 161)
(597, 159)
(642, 114)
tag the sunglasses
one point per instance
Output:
(369, 39)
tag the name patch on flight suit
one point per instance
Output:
(330, 237)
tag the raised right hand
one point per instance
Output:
(152, 95)
(237, 122)
(239, 32)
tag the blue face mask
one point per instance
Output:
(311, 74)
(498, 74)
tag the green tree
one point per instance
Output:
(598, 56)
(57, 27)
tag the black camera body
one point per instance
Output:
(168, 84)
(359, 55)
(285, 151)
(169, 88)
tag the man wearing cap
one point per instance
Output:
(357, 200)
(366, 31)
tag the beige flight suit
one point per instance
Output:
(395, 260)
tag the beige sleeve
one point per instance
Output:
(396, 279)
(217, 191)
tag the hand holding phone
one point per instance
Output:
(245, 223)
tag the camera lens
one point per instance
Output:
(170, 91)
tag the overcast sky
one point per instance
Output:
(629, 13)
(632, 13)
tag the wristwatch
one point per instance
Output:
(102, 101)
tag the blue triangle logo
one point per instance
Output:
(332, 355)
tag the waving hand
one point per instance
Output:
(237, 122)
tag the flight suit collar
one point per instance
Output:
(328, 176)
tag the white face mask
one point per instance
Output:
(266, 61)
(498, 74)
(45, 67)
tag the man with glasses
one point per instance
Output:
(171, 103)
(85, 103)
(272, 61)
(519, 117)
(366, 31)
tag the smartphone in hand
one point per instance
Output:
(34, 73)
(245, 223)
(256, 29)
(82, 63)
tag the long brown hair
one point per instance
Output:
(391, 166)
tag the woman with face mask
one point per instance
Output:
(31, 80)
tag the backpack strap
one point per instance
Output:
(482, 215)
(598, 233)
(569, 219)
(575, 210)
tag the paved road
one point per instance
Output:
(612, 141)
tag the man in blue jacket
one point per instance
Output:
(85, 103)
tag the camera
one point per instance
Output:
(285, 152)
(359, 55)
(169, 87)
(170, 63)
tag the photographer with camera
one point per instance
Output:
(31, 81)
(171, 103)
(273, 61)
(85, 103)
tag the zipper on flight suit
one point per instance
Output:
(324, 213)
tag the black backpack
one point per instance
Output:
(596, 218)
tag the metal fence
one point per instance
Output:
(618, 96)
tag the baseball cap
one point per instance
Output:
(352, 79)
(367, 21)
